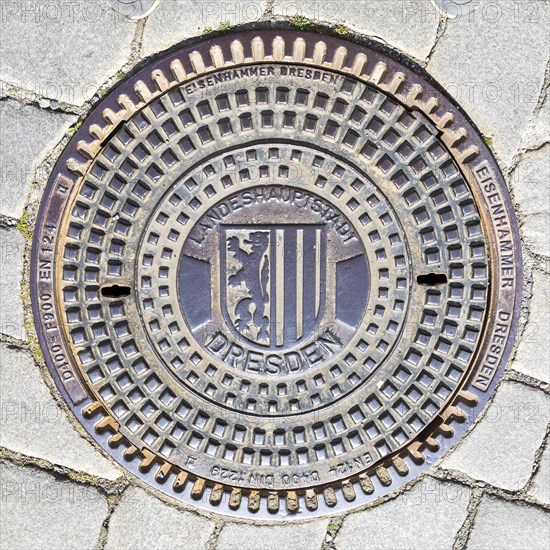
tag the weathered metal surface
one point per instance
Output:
(275, 274)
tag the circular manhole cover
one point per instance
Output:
(276, 274)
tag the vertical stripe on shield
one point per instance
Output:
(317, 271)
(280, 286)
(299, 283)
(313, 278)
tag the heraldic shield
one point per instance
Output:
(273, 281)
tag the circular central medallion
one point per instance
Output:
(276, 274)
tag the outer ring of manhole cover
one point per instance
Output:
(276, 274)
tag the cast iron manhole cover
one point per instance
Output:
(276, 274)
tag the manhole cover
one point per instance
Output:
(276, 275)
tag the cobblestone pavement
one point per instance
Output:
(59, 491)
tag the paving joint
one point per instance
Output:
(270, 4)
(463, 534)
(515, 376)
(520, 495)
(525, 312)
(541, 261)
(212, 542)
(543, 92)
(107, 486)
(538, 459)
(523, 152)
(333, 528)
(112, 502)
(441, 28)
(7, 222)
(137, 41)
(30, 98)
(14, 343)
(527, 151)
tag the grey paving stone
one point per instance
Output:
(176, 20)
(538, 130)
(533, 354)
(501, 449)
(532, 193)
(502, 525)
(297, 536)
(62, 50)
(493, 63)
(426, 517)
(142, 521)
(409, 26)
(41, 512)
(11, 265)
(541, 482)
(27, 134)
(32, 423)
